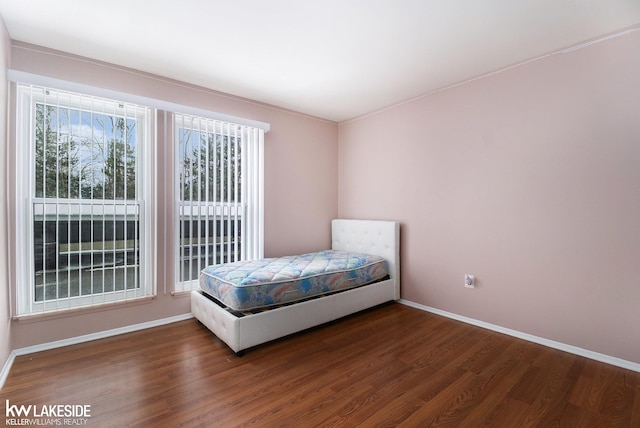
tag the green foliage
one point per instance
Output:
(211, 167)
(56, 165)
(120, 166)
(83, 155)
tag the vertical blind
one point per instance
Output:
(85, 213)
(219, 203)
(85, 200)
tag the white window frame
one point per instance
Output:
(20, 275)
(26, 98)
(245, 214)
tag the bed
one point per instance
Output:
(241, 324)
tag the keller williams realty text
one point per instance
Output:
(47, 411)
(46, 422)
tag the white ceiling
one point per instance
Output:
(334, 59)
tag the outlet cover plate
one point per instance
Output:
(469, 281)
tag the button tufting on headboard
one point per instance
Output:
(372, 237)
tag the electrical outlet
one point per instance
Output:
(469, 281)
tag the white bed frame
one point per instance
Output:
(364, 236)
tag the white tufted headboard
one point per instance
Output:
(377, 237)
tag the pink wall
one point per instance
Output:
(528, 179)
(5, 346)
(300, 182)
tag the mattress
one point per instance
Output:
(252, 284)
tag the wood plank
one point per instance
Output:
(389, 366)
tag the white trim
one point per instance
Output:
(85, 338)
(51, 82)
(596, 41)
(140, 211)
(4, 373)
(100, 335)
(491, 73)
(603, 358)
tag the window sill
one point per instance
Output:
(181, 294)
(65, 313)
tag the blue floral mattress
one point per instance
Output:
(252, 284)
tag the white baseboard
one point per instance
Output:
(7, 366)
(85, 338)
(136, 327)
(629, 365)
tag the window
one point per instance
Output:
(219, 195)
(86, 200)
(86, 185)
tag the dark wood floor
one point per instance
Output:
(390, 366)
